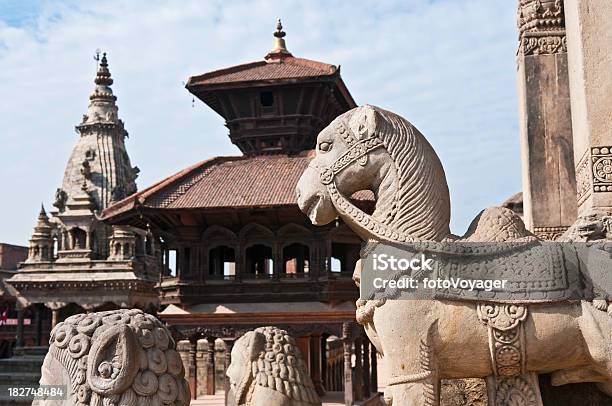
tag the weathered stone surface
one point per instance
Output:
(549, 181)
(589, 43)
(423, 340)
(267, 369)
(463, 392)
(122, 357)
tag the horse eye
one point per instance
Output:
(325, 146)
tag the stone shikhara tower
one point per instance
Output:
(74, 258)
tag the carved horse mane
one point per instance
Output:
(415, 204)
(421, 205)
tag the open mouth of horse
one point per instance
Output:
(312, 205)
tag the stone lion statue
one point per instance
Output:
(120, 357)
(267, 370)
(507, 343)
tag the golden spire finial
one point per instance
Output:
(279, 40)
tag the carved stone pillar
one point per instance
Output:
(210, 367)
(55, 309)
(229, 343)
(549, 182)
(202, 368)
(589, 43)
(349, 395)
(366, 368)
(193, 374)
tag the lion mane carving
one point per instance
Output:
(267, 370)
(120, 357)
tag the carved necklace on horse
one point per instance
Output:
(357, 152)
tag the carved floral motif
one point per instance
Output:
(541, 27)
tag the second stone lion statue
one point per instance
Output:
(121, 357)
(267, 370)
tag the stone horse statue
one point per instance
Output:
(120, 357)
(425, 341)
(267, 370)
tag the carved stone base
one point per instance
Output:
(520, 390)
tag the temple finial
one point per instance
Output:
(280, 48)
(279, 29)
(103, 76)
(42, 213)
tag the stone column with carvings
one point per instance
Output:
(202, 368)
(589, 44)
(549, 182)
(55, 311)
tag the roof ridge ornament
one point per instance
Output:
(280, 47)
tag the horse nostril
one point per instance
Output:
(298, 193)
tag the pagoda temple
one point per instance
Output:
(237, 251)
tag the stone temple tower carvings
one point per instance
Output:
(74, 257)
(99, 162)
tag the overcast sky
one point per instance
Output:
(448, 66)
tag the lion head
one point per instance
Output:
(267, 357)
(119, 357)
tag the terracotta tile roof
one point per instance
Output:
(286, 68)
(226, 182)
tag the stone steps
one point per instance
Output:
(21, 370)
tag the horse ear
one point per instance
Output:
(363, 121)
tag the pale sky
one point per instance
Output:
(448, 66)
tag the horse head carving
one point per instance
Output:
(370, 148)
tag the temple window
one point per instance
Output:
(222, 262)
(296, 260)
(55, 246)
(259, 261)
(344, 257)
(79, 238)
(266, 99)
(172, 264)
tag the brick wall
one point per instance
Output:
(11, 255)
